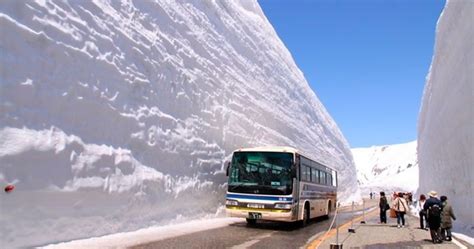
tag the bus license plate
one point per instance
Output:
(255, 216)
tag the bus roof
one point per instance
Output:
(270, 149)
(278, 149)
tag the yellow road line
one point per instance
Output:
(318, 241)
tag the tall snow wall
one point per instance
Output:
(446, 119)
(117, 115)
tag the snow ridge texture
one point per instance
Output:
(446, 118)
(118, 115)
(388, 168)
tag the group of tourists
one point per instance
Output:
(438, 214)
(435, 214)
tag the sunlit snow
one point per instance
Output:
(118, 115)
(389, 168)
(446, 119)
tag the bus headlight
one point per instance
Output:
(283, 205)
(231, 203)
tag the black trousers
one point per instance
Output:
(435, 235)
(401, 218)
(383, 216)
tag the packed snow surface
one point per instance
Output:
(446, 119)
(389, 168)
(118, 115)
(146, 235)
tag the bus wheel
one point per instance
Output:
(251, 221)
(306, 216)
(328, 210)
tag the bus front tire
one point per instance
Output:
(251, 221)
(328, 210)
(306, 216)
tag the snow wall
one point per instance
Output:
(388, 168)
(446, 119)
(118, 115)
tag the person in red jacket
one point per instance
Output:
(422, 213)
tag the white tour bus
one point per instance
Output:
(279, 184)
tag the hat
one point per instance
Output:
(433, 193)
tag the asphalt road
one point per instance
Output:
(261, 235)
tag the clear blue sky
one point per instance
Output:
(366, 60)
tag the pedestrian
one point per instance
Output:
(422, 213)
(446, 215)
(370, 195)
(383, 205)
(401, 208)
(394, 196)
(433, 210)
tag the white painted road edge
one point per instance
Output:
(459, 244)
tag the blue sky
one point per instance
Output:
(366, 60)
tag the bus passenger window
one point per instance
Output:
(314, 175)
(322, 177)
(307, 173)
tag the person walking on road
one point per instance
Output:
(446, 215)
(401, 208)
(433, 207)
(383, 205)
(422, 213)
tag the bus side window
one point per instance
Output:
(309, 174)
(322, 177)
(304, 170)
(314, 175)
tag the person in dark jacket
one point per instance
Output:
(383, 205)
(446, 215)
(433, 209)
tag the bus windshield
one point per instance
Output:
(261, 173)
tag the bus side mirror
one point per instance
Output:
(293, 172)
(227, 168)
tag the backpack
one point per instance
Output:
(435, 211)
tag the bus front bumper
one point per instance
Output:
(265, 214)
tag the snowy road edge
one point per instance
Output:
(146, 235)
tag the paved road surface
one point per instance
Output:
(240, 235)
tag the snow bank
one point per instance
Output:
(387, 168)
(146, 235)
(446, 119)
(118, 115)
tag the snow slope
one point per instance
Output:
(387, 168)
(118, 115)
(446, 119)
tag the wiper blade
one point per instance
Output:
(234, 187)
(272, 188)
